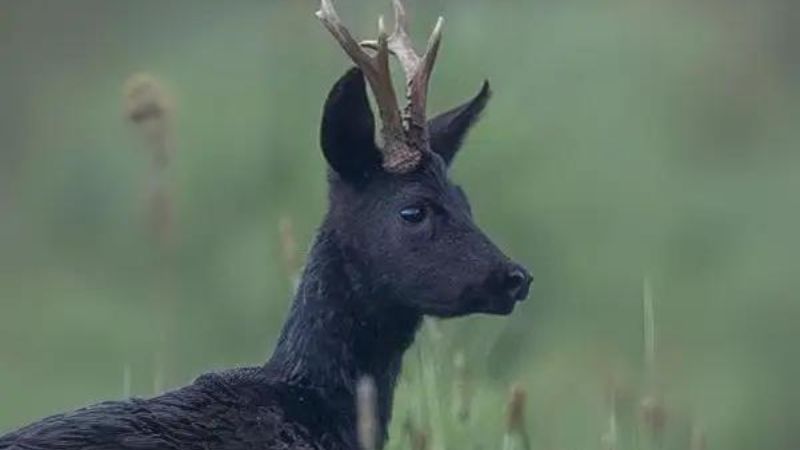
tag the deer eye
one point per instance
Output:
(414, 214)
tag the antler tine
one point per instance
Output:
(400, 42)
(418, 85)
(330, 19)
(375, 68)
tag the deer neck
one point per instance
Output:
(338, 331)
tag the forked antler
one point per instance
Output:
(417, 69)
(405, 136)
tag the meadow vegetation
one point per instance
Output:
(640, 156)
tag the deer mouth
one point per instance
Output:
(500, 305)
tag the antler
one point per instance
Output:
(405, 137)
(417, 71)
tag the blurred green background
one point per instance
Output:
(633, 148)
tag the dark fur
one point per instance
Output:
(369, 280)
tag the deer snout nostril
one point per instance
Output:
(517, 283)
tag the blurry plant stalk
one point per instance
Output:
(291, 257)
(150, 110)
(651, 408)
(610, 439)
(367, 409)
(697, 438)
(516, 436)
(462, 387)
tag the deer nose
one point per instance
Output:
(517, 283)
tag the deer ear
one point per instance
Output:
(347, 135)
(448, 130)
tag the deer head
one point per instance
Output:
(406, 226)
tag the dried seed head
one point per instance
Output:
(149, 107)
(419, 441)
(145, 98)
(516, 436)
(515, 413)
(653, 414)
(366, 406)
(417, 438)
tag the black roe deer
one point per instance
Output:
(398, 242)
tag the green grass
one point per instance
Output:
(622, 413)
